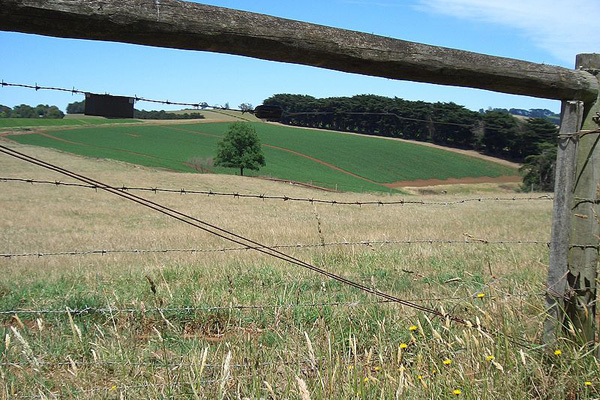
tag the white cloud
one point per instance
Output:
(563, 28)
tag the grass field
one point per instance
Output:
(82, 121)
(355, 349)
(346, 162)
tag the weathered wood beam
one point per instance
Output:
(583, 257)
(184, 25)
(564, 182)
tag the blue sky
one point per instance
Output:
(532, 30)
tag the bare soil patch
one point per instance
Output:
(453, 181)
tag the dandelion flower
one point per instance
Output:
(457, 392)
(350, 367)
(481, 295)
(413, 328)
(403, 345)
(490, 358)
(420, 377)
(447, 362)
(366, 379)
(588, 383)
(557, 352)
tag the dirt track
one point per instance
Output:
(452, 181)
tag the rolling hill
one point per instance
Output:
(321, 158)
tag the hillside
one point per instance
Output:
(325, 159)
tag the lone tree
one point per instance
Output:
(240, 149)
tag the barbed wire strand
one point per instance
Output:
(275, 197)
(37, 87)
(155, 363)
(277, 246)
(240, 240)
(204, 105)
(192, 309)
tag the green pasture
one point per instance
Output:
(173, 146)
(34, 122)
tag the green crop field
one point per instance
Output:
(35, 122)
(328, 159)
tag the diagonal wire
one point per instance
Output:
(235, 238)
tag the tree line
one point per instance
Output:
(78, 107)
(26, 111)
(493, 132)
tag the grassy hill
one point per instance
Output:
(79, 120)
(328, 159)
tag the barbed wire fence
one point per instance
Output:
(236, 195)
(204, 105)
(245, 242)
(269, 250)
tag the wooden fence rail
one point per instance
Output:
(177, 24)
(185, 25)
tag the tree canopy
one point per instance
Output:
(26, 111)
(240, 148)
(77, 107)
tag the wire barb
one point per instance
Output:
(286, 198)
(246, 242)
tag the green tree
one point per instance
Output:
(246, 107)
(501, 132)
(240, 148)
(77, 107)
(5, 111)
(24, 111)
(538, 170)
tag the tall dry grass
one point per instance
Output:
(356, 349)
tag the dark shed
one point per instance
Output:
(104, 105)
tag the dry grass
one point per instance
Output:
(282, 352)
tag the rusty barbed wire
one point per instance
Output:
(281, 246)
(284, 198)
(230, 236)
(204, 105)
(157, 363)
(579, 133)
(478, 295)
(36, 87)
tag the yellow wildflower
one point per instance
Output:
(557, 352)
(457, 392)
(113, 388)
(413, 328)
(419, 377)
(378, 368)
(403, 345)
(481, 295)
(490, 358)
(350, 367)
(447, 362)
(366, 379)
(588, 383)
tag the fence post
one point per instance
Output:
(571, 120)
(580, 305)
